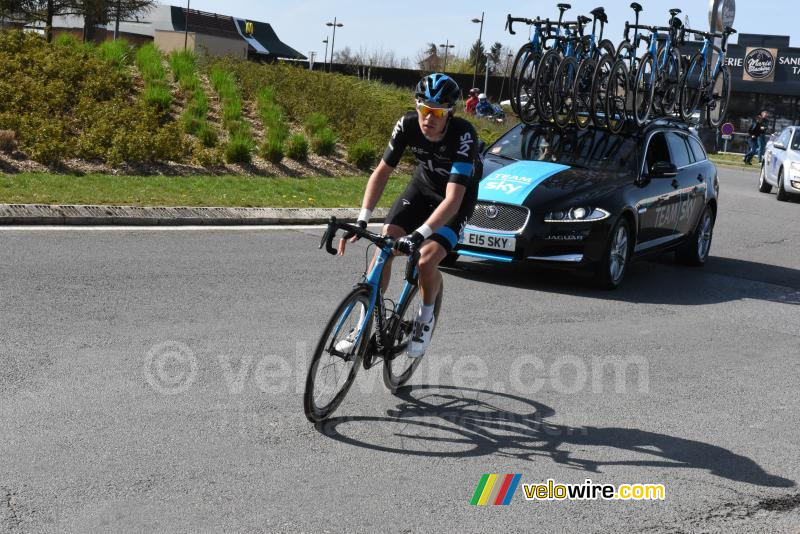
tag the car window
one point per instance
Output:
(657, 150)
(697, 149)
(679, 150)
(591, 149)
(785, 136)
(796, 140)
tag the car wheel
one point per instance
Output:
(783, 196)
(611, 270)
(698, 244)
(763, 186)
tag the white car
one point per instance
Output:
(781, 166)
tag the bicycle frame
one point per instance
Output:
(706, 52)
(373, 280)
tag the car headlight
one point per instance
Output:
(577, 214)
(795, 165)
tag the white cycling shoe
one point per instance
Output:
(420, 338)
(346, 345)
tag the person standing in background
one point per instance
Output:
(756, 138)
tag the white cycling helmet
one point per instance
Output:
(482, 96)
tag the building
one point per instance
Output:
(172, 28)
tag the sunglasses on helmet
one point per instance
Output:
(425, 110)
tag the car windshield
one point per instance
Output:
(796, 140)
(590, 149)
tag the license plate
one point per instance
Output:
(494, 242)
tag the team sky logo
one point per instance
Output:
(759, 64)
(397, 128)
(495, 489)
(466, 143)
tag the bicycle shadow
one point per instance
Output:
(655, 281)
(458, 422)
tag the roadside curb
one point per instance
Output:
(48, 214)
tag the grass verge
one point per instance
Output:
(226, 191)
(733, 160)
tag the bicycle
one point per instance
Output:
(535, 47)
(350, 325)
(529, 72)
(614, 99)
(572, 91)
(658, 72)
(700, 82)
(566, 46)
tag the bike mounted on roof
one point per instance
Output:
(563, 76)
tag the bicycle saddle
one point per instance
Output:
(598, 11)
(675, 12)
(602, 17)
(583, 20)
(636, 7)
(730, 30)
(564, 7)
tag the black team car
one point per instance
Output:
(593, 200)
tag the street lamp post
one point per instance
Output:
(186, 27)
(325, 62)
(477, 55)
(335, 25)
(446, 47)
(486, 79)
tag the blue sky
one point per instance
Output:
(406, 26)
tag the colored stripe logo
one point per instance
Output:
(495, 489)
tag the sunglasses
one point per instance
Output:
(436, 112)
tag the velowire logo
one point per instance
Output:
(495, 489)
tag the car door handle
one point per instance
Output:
(701, 178)
(663, 198)
(676, 184)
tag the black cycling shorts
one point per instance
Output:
(413, 207)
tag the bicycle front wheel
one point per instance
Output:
(398, 367)
(617, 97)
(337, 356)
(545, 76)
(643, 89)
(582, 108)
(526, 89)
(516, 74)
(692, 87)
(564, 91)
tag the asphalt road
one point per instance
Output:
(152, 381)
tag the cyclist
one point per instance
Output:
(484, 107)
(429, 216)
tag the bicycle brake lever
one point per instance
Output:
(327, 237)
(411, 268)
(509, 25)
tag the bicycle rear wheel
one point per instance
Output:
(397, 367)
(721, 96)
(332, 371)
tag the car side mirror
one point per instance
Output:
(663, 169)
(481, 146)
(779, 146)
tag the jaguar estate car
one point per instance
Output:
(781, 165)
(594, 200)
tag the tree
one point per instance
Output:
(496, 55)
(96, 12)
(44, 11)
(478, 54)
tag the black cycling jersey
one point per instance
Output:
(450, 160)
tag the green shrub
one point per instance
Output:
(265, 98)
(240, 146)
(315, 122)
(67, 40)
(207, 135)
(324, 142)
(157, 96)
(362, 154)
(183, 64)
(272, 149)
(118, 52)
(297, 147)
